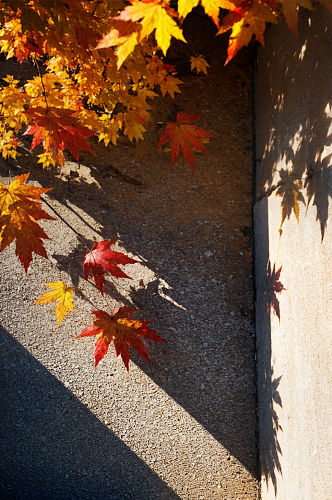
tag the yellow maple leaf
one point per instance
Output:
(133, 125)
(47, 159)
(126, 48)
(63, 294)
(12, 102)
(153, 16)
(110, 128)
(186, 6)
(212, 7)
(199, 63)
(8, 143)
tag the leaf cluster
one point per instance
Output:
(99, 63)
(20, 209)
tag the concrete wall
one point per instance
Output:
(294, 152)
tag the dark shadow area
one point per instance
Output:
(267, 285)
(53, 447)
(294, 153)
(270, 447)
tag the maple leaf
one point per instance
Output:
(185, 136)
(290, 10)
(103, 258)
(124, 35)
(57, 129)
(250, 20)
(199, 63)
(274, 286)
(86, 37)
(123, 331)
(153, 15)
(63, 294)
(133, 125)
(120, 31)
(327, 4)
(170, 84)
(20, 208)
(18, 190)
(18, 223)
(186, 6)
(212, 7)
(289, 190)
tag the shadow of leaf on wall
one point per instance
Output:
(273, 287)
(270, 448)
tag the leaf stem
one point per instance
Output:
(67, 223)
(42, 82)
(167, 109)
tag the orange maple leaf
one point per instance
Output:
(245, 22)
(57, 129)
(18, 223)
(102, 258)
(185, 136)
(18, 190)
(117, 327)
(20, 208)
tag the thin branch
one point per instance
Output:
(67, 223)
(42, 82)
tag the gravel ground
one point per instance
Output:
(183, 427)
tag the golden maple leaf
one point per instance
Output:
(186, 6)
(199, 63)
(212, 7)
(63, 294)
(170, 84)
(151, 15)
(133, 125)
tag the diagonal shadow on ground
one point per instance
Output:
(78, 457)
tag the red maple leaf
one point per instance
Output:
(123, 331)
(185, 136)
(102, 258)
(274, 286)
(58, 129)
